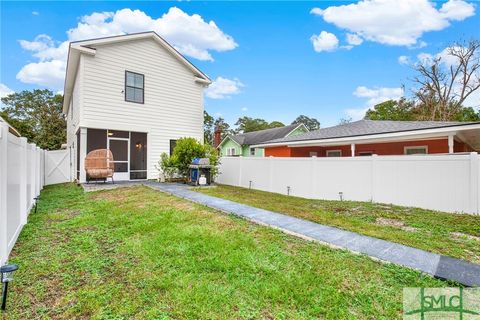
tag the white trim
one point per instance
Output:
(77, 48)
(382, 137)
(335, 150)
(230, 137)
(300, 125)
(414, 147)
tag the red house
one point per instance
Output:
(368, 137)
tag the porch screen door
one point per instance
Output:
(120, 149)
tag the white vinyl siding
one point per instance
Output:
(74, 116)
(173, 101)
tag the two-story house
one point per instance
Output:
(133, 94)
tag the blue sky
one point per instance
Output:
(273, 60)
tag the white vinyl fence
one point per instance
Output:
(21, 179)
(439, 182)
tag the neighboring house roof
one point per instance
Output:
(260, 136)
(85, 46)
(11, 129)
(366, 128)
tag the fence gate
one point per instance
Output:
(57, 166)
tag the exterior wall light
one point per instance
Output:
(7, 276)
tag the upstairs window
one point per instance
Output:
(134, 87)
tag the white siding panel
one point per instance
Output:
(173, 105)
(73, 116)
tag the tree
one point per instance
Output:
(208, 128)
(37, 115)
(276, 124)
(247, 124)
(344, 120)
(400, 110)
(310, 123)
(447, 80)
(223, 126)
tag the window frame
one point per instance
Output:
(336, 150)
(365, 153)
(252, 151)
(406, 148)
(172, 143)
(143, 87)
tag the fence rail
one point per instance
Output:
(447, 183)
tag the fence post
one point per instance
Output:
(240, 160)
(23, 176)
(314, 177)
(373, 177)
(37, 170)
(270, 173)
(83, 154)
(3, 192)
(34, 171)
(473, 207)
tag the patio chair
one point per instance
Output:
(99, 165)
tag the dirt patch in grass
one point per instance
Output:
(460, 235)
(395, 223)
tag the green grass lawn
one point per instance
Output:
(450, 234)
(136, 253)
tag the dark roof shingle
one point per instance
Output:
(261, 136)
(367, 127)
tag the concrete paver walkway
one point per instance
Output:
(434, 264)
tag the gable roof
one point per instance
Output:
(367, 127)
(260, 136)
(87, 47)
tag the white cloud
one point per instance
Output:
(4, 90)
(244, 109)
(404, 60)
(35, 13)
(325, 41)
(374, 96)
(424, 57)
(222, 88)
(354, 39)
(45, 73)
(190, 34)
(457, 10)
(445, 57)
(395, 22)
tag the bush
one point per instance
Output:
(166, 165)
(185, 151)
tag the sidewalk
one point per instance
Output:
(434, 264)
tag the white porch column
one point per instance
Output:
(83, 154)
(450, 143)
(352, 147)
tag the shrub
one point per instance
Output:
(185, 151)
(166, 165)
